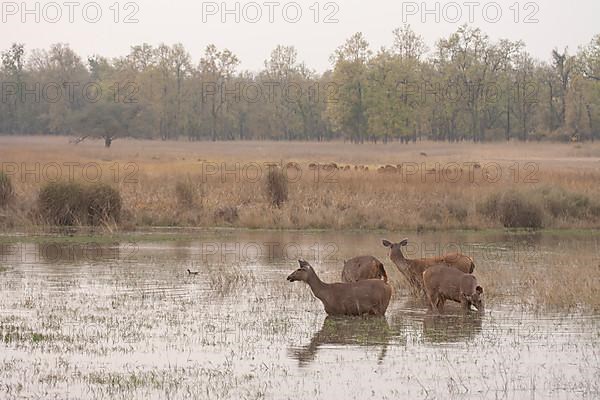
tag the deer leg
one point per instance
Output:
(440, 304)
(431, 302)
(434, 299)
(466, 304)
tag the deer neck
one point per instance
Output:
(398, 258)
(318, 287)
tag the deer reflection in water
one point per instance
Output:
(451, 328)
(371, 331)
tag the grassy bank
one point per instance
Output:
(424, 186)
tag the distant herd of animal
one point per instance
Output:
(365, 289)
(332, 166)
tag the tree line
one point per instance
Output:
(467, 87)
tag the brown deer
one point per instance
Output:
(293, 165)
(387, 169)
(413, 269)
(443, 283)
(363, 267)
(371, 296)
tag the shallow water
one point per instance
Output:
(125, 320)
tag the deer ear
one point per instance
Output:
(386, 243)
(404, 242)
(479, 289)
(304, 264)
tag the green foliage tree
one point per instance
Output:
(468, 87)
(347, 113)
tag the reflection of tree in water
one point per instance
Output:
(75, 253)
(451, 328)
(360, 331)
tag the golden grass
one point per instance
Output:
(562, 285)
(223, 177)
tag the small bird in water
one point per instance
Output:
(192, 272)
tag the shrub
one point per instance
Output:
(457, 209)
(489, 206)
(513, 210)
(595, 209)
(185, 192)
(228, 214)
(431, 215)
(62, 203)
(71, 203)
(561, 203)
(103, 203)
(276, 187)
(517, 211)
(6, 189)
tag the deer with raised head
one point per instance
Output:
(413, 269)
(371, 296)
(363, 267)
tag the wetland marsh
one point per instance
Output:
(83, 319)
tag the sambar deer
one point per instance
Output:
(413, 269)
(363, 267)
(443, 283)
(371, 296)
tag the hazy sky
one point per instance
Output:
(198, 23)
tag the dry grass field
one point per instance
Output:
(426, 185)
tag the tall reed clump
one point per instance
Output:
(103, 204)
(62, 203)
(276, 187)
(561, 203)
(6, 189)
(185, 192)
(72, 203)
(534, 207)
(512, 209)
